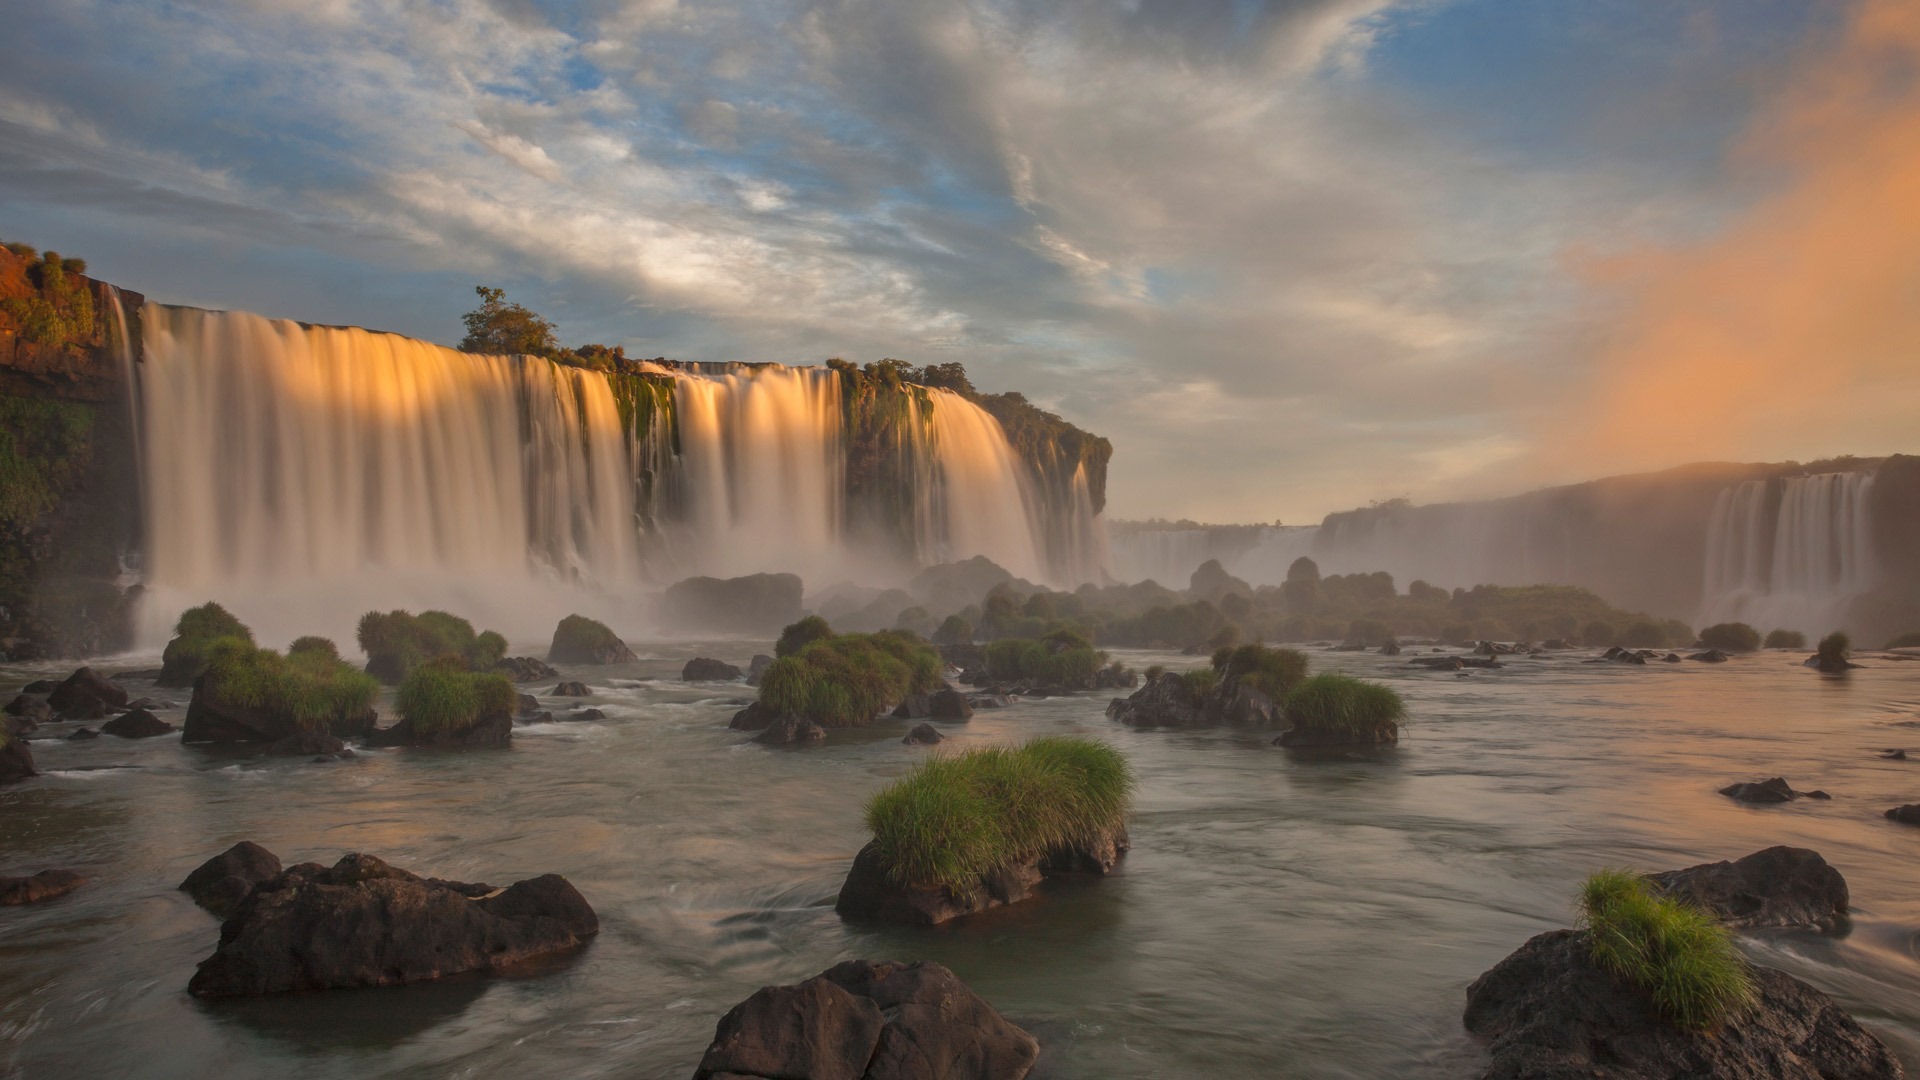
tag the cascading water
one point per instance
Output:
(303, 475)
(1790, 553)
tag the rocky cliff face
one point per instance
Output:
(69, 486)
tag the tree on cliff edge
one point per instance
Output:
(497, 326)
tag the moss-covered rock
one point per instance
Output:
(441, 704)
(196, 635)
(253, 695)
(397, 642)
(580, 640)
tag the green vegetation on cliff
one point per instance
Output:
(46, 446)
(848, 679)
(61, 311)
(954, 820)
(1680, 955)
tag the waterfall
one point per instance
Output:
(1790, 553)
(303, 475)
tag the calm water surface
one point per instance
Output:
(1277, 916)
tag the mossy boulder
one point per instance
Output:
(254, 695)
(396, 642)
(443, 705)
(848, 680)
(195, 637)
(580, 640)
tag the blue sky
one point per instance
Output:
(1289, 257)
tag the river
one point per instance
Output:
(1277, 916)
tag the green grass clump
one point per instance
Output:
(848, 679)
(441, 696)
(798, 636)
(310, 689)
(1062, 658)
(1834, 648)
(1678, 953)
(1786, 639)
(312, 645)
(1731, 637)
(1200, 681)
(1273, 672)
(1341, 704)
(957, 818)
(199, 633)
(396, 642)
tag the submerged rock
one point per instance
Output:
(35, 888)
(791, 729)
(706, 669)
(220, 883)
(754, 717)
(16, 761)
(1905, 815)
(82, 735)
(1776, 887)
(362, 922)
(571, 689)
(30, 708)
(923, 735)
(861, 1020)
(523, 669)
(1550, 1013)
(137, 724)
(869, 894)
(86, 695)
(948, 705)
(1710, 656)
(526, 704)
(1769, 791)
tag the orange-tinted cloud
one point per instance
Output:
(1794, 330)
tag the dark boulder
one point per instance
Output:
(1165, 701)
(1905, 815)
(923, 735)
(85, 708)
(83, 687)
(40, 686)
(813, 1031)
(571, 689)
(705, 669)
(1710, 656)
(870, 894)
(1389, 649)
(82, 735)
(220, 883)
(1550, 1013)
(305, 743)
(754, 717)
(948, 705)
(585, 714)
(1670, 658)
(137, 724)
(580, 640)
(212, 717)
(31, 708)
(16, 761)
(523, 669)
(1829, 663)
(916, 707)
(1768, 791)
(1780, 886)
(757, 667)
(526, 704)
(34, 888)
(362, 922)
(791, 729)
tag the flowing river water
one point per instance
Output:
(1278, 916)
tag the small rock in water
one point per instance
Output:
(588, 714)
(83, 734)
(706, 669)
(137, 724)
(1768, 791)
(916, 707)
(571, 689)
(1905, 815)
(949, 705)
(923, 735)
(40, 686)
(524, 669)
(35, 888)
(1777, 887)
(220, 883)
(791, 729)
(527, 704)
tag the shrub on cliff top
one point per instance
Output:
(1786, 639)
(396, 642)
(1677, 953)
(955, 819)
(848, 679)
(196, 634)
(441, 696)
(310, 689)
(1336, 704)
(1731, 637)
(799, 635)
(1273, 672)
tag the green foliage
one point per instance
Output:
(500, 327)
(397, 642)
(25, 251)
(1597, 633)
(1835, 647)
(45, 447)
(1200, 681)
(313, 645)
(310, 689)
(1063, 658)
(848, 679)
(1154, 671)
(1303, 569)
(199, 633)
(798, 636)
(440, 697)
(1644, 634)
(1731, 636)
(1333, 703)
(1794, 639)
(953, 631)
(1908, 640)
(1679, 954)
(62, 313)
(1273, 672)
(956, 819)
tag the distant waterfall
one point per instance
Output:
(1789, 553)
(303, 475)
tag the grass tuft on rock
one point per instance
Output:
(799, 635)
(1200, 682)
(1834, 649)
(1678, 953)
(196, 636)
(1336, 704)
(314, 645)
(848, 679)
(1273, 672)
(397, 642)
(957, 818)
(311, 689)
(441, 696)
(1063, 658)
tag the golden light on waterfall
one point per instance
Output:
(1798, 323)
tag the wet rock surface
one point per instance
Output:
(790, 729)
(1777, 887)
(362, 922)
(1775, 790)
(870, 895)
(522, 669)
(707, 669)
(220, 883)
(137, 724)
(38, 888)
(862, 1020)
(923, 735)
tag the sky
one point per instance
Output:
(1290, 257)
